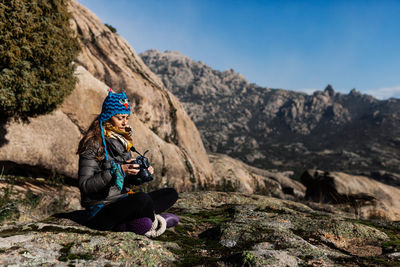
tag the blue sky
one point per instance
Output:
(295, 45)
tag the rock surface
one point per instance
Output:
(216, 229)
(282, 129)
(368, 198)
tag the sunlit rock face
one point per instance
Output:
(282, 129)
(161, 123)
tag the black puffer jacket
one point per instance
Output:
(96, 183)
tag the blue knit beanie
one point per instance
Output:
(112, 105)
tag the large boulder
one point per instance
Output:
(107, 56)
(49, 142)
(366, 197)
(234, 175)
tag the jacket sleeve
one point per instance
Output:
(94, 176)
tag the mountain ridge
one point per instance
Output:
(282, 129)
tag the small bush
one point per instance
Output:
(37, 48)
(111, 28)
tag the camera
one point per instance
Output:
(143, 175)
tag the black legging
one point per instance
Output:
(133, 206)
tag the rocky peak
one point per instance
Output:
(354, 92)
(194, 79)
(329, 90)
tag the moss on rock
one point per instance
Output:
(217, 229)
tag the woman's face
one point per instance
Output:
(120, 121)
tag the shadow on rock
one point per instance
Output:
(25, 170)
(77, 216)
(212, 233)
(3, 132)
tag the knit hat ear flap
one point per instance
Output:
(104, 141)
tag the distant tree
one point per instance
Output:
(37, 48)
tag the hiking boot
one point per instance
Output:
(171, 219)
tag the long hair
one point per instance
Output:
(92, 137)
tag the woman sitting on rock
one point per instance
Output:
(106, 169)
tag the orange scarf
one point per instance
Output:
(124, 137)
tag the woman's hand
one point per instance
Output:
(130, 169)
(151, 169)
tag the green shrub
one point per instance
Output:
(37, 48)
(111, 28)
